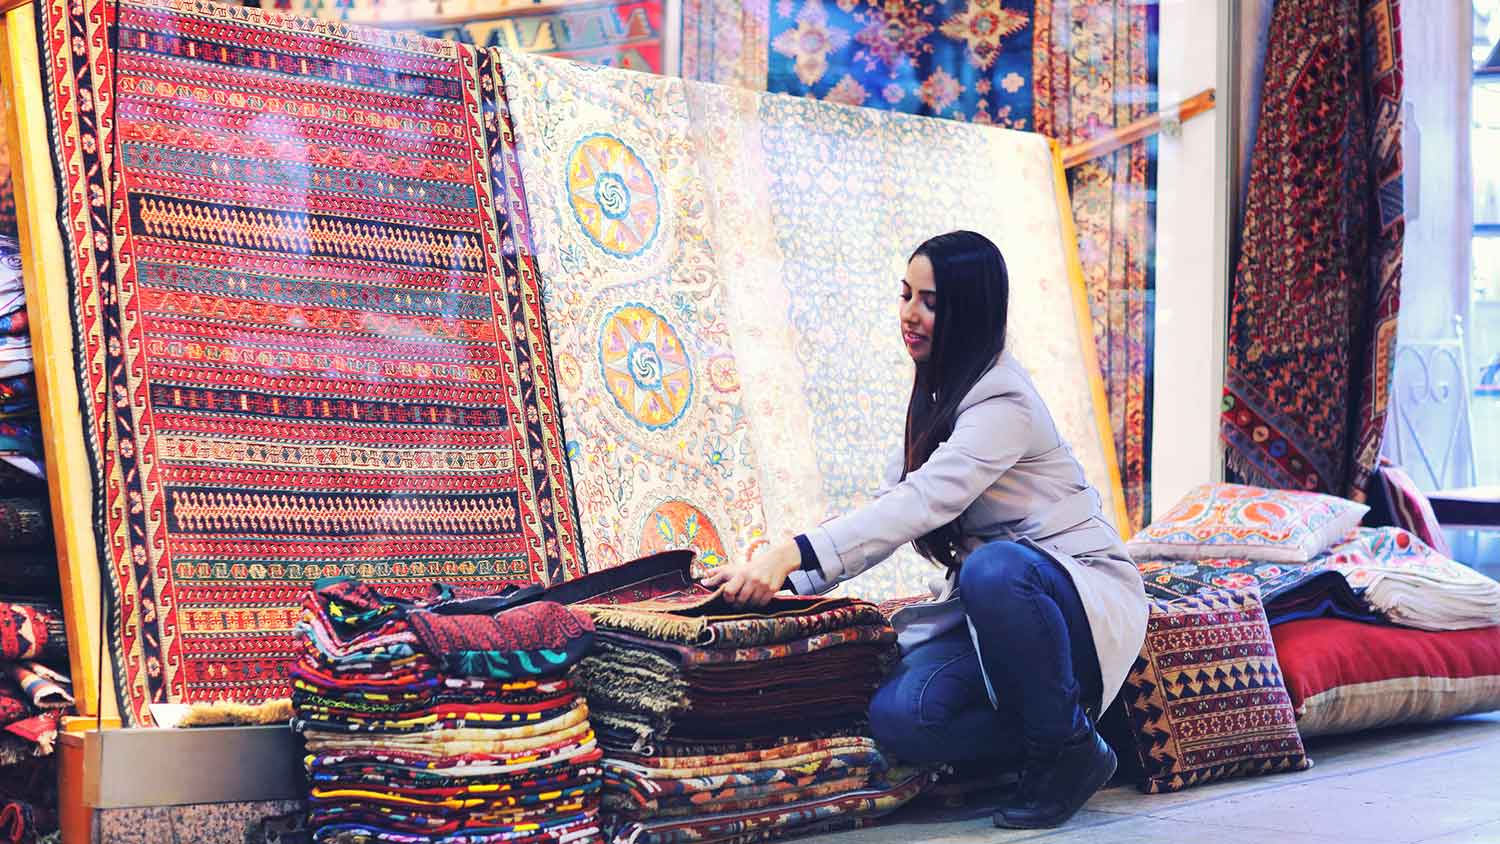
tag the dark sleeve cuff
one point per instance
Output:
(809, 556)
(809, 561)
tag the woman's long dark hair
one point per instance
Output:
(968, 334)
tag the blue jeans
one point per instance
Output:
(1034, 645)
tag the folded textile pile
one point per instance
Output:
(429, 724)
(1411, 584)
(720, 725)
(1373, 574)
(1289, 591)
(20, 420)
(35, 692)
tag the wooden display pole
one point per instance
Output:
(1079, 289)
(1077, 154)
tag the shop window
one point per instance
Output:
(1483, 336)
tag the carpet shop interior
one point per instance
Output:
(399, 398)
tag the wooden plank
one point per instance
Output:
(1116, 491)
(48, 303)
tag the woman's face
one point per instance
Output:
(918, 308)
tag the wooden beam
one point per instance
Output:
(1145, 127)
(1087, 346)
(7, 5)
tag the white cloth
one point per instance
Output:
(1413, 585)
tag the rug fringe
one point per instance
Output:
(655, 625)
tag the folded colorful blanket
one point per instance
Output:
(23, 632)
(532, 639)
(1413, 585)
(14, 703)
(47, 689)
(24, 522)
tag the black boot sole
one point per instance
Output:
(1097, 782)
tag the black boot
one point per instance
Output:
(1057, 782)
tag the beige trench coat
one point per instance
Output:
(1005, 473)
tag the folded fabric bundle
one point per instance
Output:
(14, 703)
(1373, 574)
(47, 689)
(723, 725)
(15, 322)
(30, 574)
(12, 283)
(25, 632)
(18, 822)
(40, 730)
(849, 807)
(15, 355)
(33, 701)
(424, 726)
(1412, 585)
(24, 522)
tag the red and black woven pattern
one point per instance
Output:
(1313, 316)
(304, 351)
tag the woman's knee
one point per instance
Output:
(893, 719)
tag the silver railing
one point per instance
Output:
(1429, 431)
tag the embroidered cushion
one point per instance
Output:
(1205, 697)
(1264, 525)
(1410, 507)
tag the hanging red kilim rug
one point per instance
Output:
(306, 344)
(1313, 313)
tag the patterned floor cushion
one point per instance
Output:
(1344, 676)
(1205, 697)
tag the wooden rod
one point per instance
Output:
(1145, 127)
(7, 5)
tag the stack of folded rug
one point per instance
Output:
(720, 724)
(20, 420)
(35, 692)
(1411, 584)
(433, 722)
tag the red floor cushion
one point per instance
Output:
(1346, 676)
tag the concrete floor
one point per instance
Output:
(1438, 784)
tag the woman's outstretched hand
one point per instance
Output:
(754, 583)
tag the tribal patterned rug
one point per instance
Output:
(306, 345)
(658, 435)
(1065, 68)
(1312, 327)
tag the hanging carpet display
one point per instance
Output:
(653, 404)
(817, 208)
(306, 344)
(1067, 69)
(1312, 322)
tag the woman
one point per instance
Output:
(1041, 613)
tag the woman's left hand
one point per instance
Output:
(754, 583)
